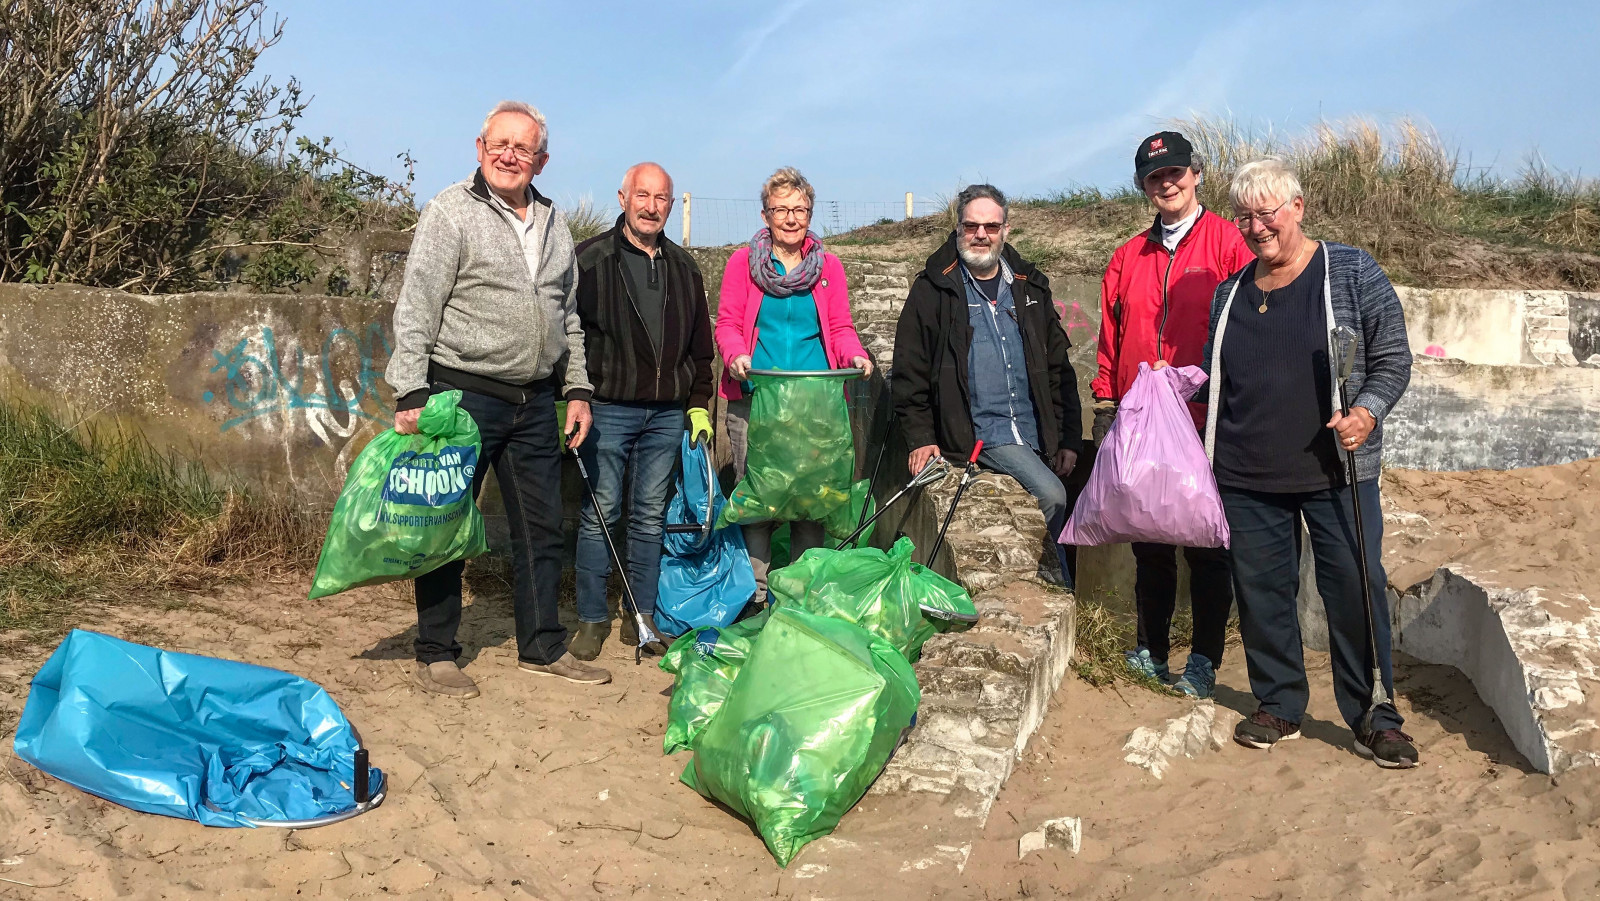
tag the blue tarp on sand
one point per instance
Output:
(186, 736)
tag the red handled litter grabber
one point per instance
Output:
(646, 633)
(967, 475)
(1342, 345)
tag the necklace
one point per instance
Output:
(1267, 293)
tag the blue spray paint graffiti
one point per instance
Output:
(333, 399)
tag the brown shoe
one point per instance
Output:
(444, 677)
(569, 668)
(590, 639)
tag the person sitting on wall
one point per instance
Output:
(980, 355)
(489, 307)
(1155, 303)
(648, 345)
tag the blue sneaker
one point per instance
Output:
(1142, 665)
(1199, 680)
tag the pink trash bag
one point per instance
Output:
(1152, 480)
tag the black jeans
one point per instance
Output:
(522, 443)
(1266, 579)
(1155, 592)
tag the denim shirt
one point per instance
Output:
(1002, 406)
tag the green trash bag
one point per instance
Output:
(901, 602)
(838, 528)
(801, 456)
(705, 660)
(407, 506)
(808, 724)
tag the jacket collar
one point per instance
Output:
(1154, 233)
(480, 190)
(944, 266)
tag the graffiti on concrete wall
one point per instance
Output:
(272, 382)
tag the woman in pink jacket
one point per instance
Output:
(784, 305)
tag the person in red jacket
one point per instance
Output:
(1155, 304)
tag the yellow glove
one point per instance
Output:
(699, 425)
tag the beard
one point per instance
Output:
(980, 258)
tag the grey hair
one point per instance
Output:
(517, 106)
(981, 192)
(633, 170)
(1264, 179)
(787, 179)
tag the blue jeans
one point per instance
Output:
(639, 442)
(1265, 554)
(522, 442)
(1024, 464)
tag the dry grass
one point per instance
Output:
(89, 516)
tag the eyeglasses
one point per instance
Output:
(784, 212)
(523, 154)
(1263, 218)
(973, 228)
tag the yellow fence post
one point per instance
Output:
(685, 218)
(908, 204)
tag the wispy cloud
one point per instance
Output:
(755, 39)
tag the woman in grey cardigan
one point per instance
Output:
(1278, 445)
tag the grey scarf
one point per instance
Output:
(799, 280)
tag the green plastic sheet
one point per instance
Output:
(407, 506)
(884, 592)
(807, 724)
(801, 458)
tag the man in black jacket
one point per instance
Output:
(980, 354)
(648, 347)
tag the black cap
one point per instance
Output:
(1160, 150)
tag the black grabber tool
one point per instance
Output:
(1342, 349)
(646, 633)
(967, 475)
(932, 472)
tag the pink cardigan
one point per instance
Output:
(740, 304)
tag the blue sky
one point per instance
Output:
(872, 99)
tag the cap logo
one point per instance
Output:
(1157, 144)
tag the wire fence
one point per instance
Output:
(715, 221)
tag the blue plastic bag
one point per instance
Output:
(706, 577)
(186, 736)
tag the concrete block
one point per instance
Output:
(1205, 728)
(1533, 659)
(1061, 832)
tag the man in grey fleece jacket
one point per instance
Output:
(489, 307)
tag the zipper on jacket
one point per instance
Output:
(1166, 301)
(654, 351)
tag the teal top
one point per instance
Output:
(788, 333)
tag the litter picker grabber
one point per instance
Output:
(1342, 346)
(967, 475)
(646, 633)
(933, 471)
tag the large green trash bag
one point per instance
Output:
(901, 602)
(705, 660)
(801, 457)
(407, 506)
(809, 723)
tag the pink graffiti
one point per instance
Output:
(1434, 350)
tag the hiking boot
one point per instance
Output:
(1199, 679)
(569, 668)
(444, 677)
(586, 644)
(1388, 748)
(653, 645)
(1141, 664)
(1263, 730)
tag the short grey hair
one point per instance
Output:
(633, 170)
(981, 192)
(1262, 180)
(517, 106)
(787, 179)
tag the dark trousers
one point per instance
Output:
(1155, 592)
(1266, 579)
(522, 443)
